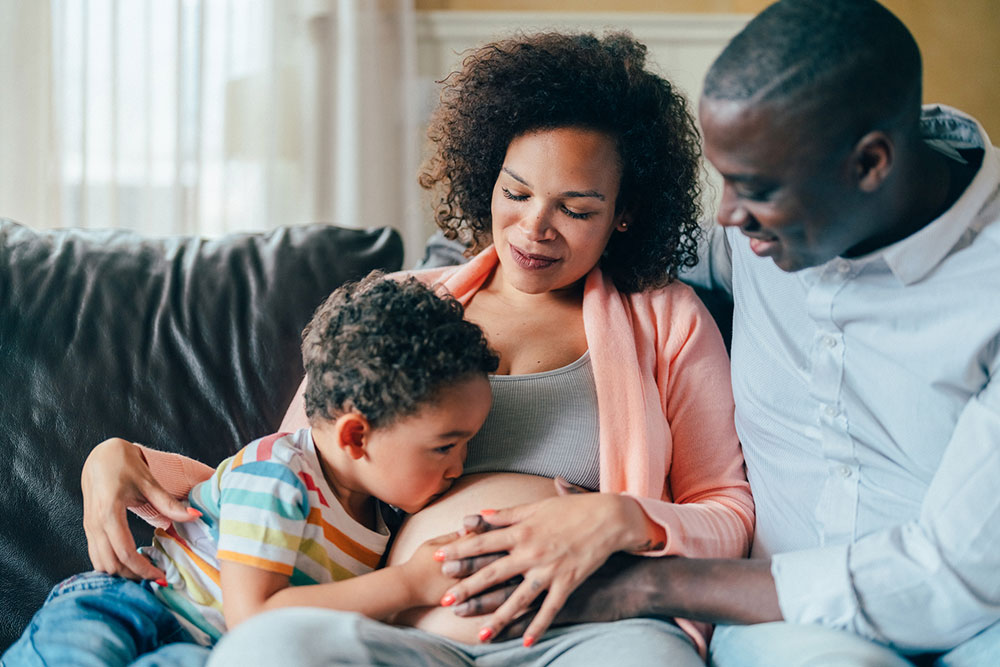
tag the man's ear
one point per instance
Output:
(872, 160)
(351, 434)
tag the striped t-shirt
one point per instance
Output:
(268, 506)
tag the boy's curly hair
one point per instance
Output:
(384, 347)
(551, 80)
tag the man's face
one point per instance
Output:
(792, 196)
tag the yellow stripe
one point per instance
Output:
(261, 563)
(343, 542)
(202, 565)
(316, 552)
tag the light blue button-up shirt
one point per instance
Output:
(868, 403)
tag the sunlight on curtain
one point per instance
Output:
(208, 116)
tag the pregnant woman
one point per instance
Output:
(572, 172)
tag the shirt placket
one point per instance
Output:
(836, 511)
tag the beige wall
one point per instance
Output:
(960, 40)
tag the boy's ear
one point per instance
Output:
(351, 433)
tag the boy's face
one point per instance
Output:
(416, 459)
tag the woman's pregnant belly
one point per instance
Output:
(469, 495)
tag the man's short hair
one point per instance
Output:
(852, 55)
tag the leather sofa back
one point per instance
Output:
(180, 343)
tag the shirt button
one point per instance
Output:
(843, 266)
(830, 341)
(844, 471)
(830, 411)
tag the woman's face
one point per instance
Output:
(554, 207)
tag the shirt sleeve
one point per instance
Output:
(714, 269)
(925, 585)
(264, 507)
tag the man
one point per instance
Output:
(865, 353)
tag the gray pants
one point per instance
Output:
(313, 637)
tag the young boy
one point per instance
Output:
(396, 386)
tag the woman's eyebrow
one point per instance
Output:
(569, 193)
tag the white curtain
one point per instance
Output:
(210, 116)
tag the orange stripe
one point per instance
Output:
(260, 563)
(343, 542)
(238, 459)
(201, 563)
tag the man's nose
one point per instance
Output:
(731, 212)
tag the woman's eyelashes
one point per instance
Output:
(523, 197)
(513, 197)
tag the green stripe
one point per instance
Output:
(182, 606)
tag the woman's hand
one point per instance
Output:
(115, 476)
(555, 544)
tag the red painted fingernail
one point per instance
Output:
(440, 555)
(448, 600)
(485, 634)
(528, 641)
(193, 512)
(487, 512)
(161, 582)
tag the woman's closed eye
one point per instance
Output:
(562, 207)
(575, 215)
(513, 197)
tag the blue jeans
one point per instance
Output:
(98, 619)
(792, 645)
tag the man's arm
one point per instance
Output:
(927, 584)
(714, 590)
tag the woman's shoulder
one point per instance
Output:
(432, 276)
(674, 296)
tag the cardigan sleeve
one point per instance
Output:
(708, 510)
(176, 473)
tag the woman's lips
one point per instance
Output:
(531, 261)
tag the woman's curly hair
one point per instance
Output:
(384, 348)
(550, 80)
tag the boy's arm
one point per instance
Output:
(248, 590)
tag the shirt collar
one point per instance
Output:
(947, 130)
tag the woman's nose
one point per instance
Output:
(537, 224)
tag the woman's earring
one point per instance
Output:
(622, 226)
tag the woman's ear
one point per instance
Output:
(351, 434)
(872, 160)
(624, 220)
